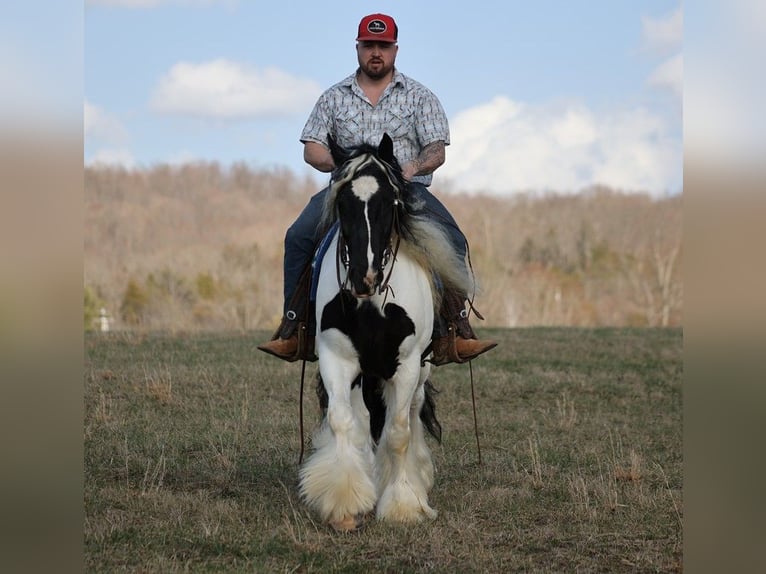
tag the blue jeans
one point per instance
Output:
(304, 234)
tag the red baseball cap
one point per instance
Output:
(377, 28)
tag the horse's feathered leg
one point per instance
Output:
(419, 455)
(404, 470)
(336, 480)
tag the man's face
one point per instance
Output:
(376, 59)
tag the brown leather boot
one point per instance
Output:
(291, 342)
(294, 340)
(460, 343)
(286, 349)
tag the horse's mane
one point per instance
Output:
(423, 239)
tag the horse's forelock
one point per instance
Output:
(362, 157)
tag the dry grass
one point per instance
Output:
(191, 446)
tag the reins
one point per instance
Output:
(300, 408)
(473, 403)
(391, 252)
(341, 259)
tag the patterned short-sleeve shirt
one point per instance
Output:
(407, 111)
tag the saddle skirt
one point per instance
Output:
(316, 262)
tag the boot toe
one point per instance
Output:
(468, 349)
(286, 349)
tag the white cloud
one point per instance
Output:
(223, 89)
(100, 126)
(105, 130)
(183, 157)
(670, 75)
(119, 157)
(504, 146)
(666, 33)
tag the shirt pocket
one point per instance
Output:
(400, 122)
(348, 128)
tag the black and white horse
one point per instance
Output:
(375, 305)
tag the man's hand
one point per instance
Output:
(409, 171)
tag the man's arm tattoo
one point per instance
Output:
(429, 158)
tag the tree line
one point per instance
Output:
(199, 247)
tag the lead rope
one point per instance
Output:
(470, 363)
(300, 408)
(475, 423)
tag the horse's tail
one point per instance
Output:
(372, 391)
(428, 412)
(372, 388)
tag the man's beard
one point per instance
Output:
(376, 73)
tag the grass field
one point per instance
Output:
(192, 442)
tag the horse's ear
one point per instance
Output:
(386, 149)
(339, 155)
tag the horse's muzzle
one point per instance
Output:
(365, 286)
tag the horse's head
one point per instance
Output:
(366, 192)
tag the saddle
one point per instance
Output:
(299, 320)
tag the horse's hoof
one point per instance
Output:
(348, 523)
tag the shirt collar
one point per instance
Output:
(399, 79)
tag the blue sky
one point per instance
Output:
(550, 95)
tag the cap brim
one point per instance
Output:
(374, 39)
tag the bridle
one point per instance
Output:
(389, 253)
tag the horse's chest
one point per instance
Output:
(376, 336)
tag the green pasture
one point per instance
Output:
(192, 444)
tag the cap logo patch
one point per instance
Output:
(376, 27)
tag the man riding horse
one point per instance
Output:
(376, 99)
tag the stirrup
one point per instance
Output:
(444, 349)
